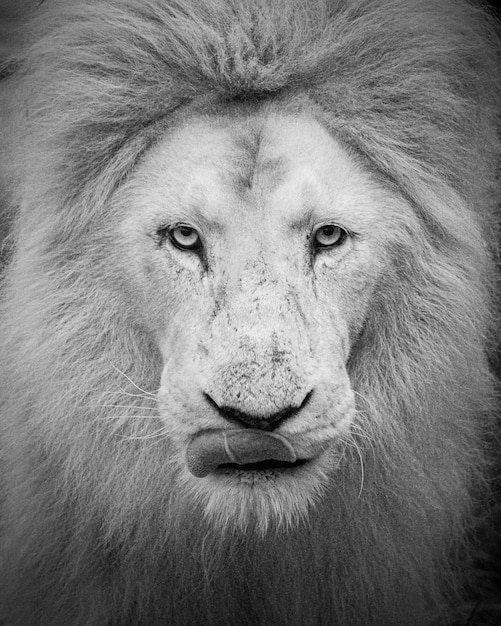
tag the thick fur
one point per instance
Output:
(92, 530)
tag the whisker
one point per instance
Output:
(357, 430)
(362, 470)
(121, 406)
(128, 417)
(351, 442)
(367, 402)
(353, 445)
(122, 392)
(147, 393)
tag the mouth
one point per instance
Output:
(269, 465)
(240, 450)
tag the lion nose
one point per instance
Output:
(263, 422)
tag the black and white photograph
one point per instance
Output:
(250, 302)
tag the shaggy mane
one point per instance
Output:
(91, 531)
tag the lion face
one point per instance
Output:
(252, 246)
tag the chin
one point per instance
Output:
(265, 496)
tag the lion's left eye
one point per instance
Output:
(184, 237)
(329, 236)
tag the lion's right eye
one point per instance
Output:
(184, 237)
(329, 236)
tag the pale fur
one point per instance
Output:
(98, 532)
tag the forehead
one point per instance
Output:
(246, 147)
(212, 165)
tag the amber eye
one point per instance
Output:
(184, 237)
(329, 236)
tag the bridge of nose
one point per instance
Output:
(260, 342)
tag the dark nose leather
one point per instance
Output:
(263, 422)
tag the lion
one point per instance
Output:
(249, 311)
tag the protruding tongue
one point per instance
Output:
(212, 448)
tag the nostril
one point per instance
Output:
(268, 421)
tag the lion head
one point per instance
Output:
(254, 242)
(248, 312)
